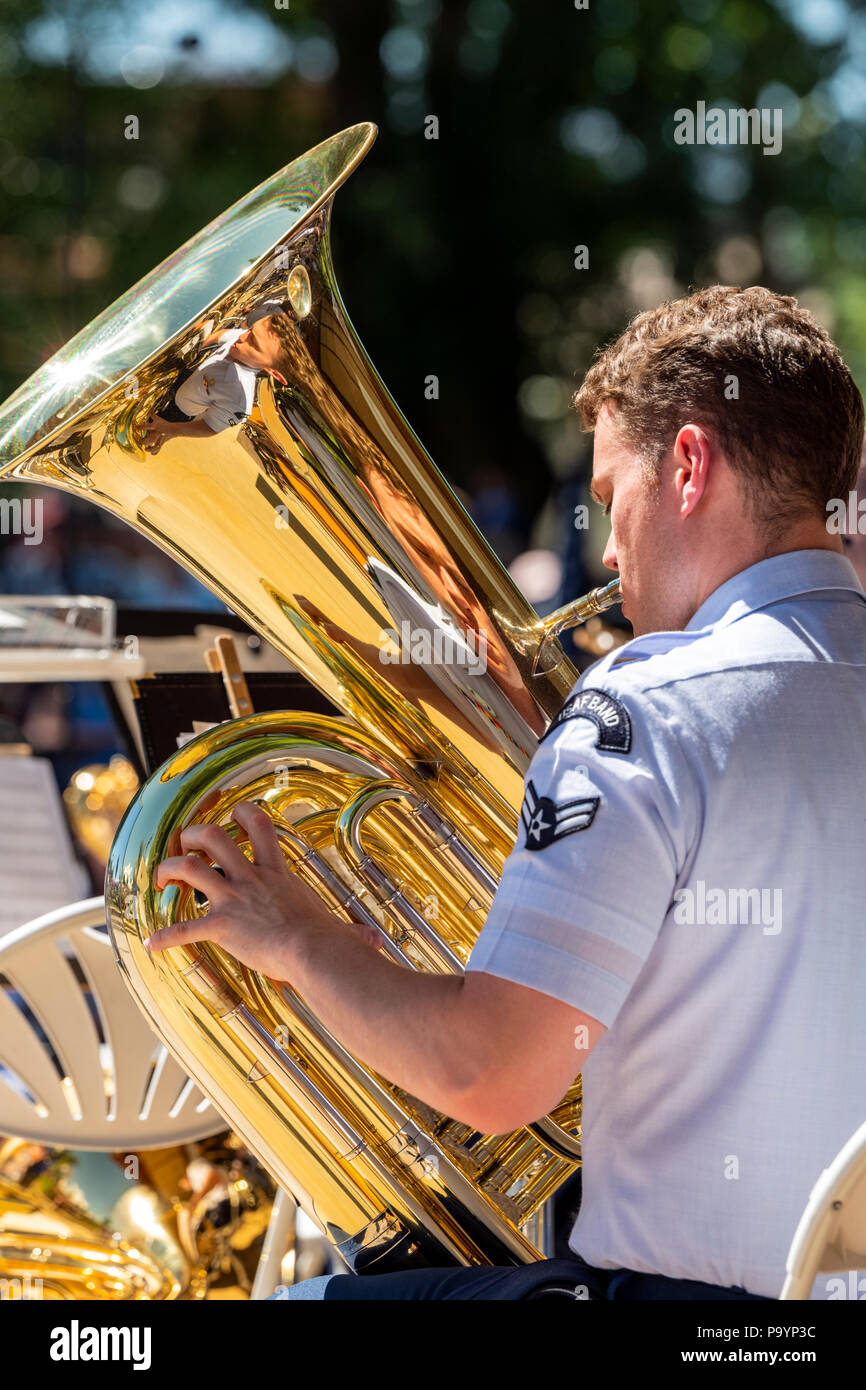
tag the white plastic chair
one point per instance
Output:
(79, 1064)
(831, 1234)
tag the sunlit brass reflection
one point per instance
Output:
(95, 799)
(182, 1223)
(300, 292)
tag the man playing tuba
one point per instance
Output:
(722, 751)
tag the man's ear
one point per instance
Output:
(692, 451)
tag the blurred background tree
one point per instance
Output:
(456, 256)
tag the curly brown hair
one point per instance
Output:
(755, 369)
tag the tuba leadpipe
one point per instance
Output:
(317, 515)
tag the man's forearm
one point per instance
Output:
(192, 429)
(483, 1049)
(413, 1028)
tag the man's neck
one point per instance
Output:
(806, 535)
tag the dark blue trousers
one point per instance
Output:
(569, 1277)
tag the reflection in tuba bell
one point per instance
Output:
(315, 513)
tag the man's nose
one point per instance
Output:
(609, 559)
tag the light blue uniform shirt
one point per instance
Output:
(691, 871)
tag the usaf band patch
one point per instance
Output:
(607, 714)
(544, 821)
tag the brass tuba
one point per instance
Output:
(316, 514)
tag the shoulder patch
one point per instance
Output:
(609, 716)
(545, 820)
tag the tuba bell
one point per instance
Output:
(318, 517)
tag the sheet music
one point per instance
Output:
(38, 868)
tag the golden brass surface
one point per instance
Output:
(321, 520)
(181, 1223)
(95, 799)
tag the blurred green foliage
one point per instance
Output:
(455, 256)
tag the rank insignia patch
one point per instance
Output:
(545, 821)
(609, 716)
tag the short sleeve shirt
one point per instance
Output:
(690, 870)
(220, 392)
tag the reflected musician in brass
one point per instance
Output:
(221, 391)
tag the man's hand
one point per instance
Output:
(157, 432)
(257, 908)
(491, 1053)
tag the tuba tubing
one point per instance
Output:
(316, 514)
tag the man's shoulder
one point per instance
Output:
(656, 656)
(670, 682)
(219, 367)
(655, 660)
(752, 644)
(616, 693)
